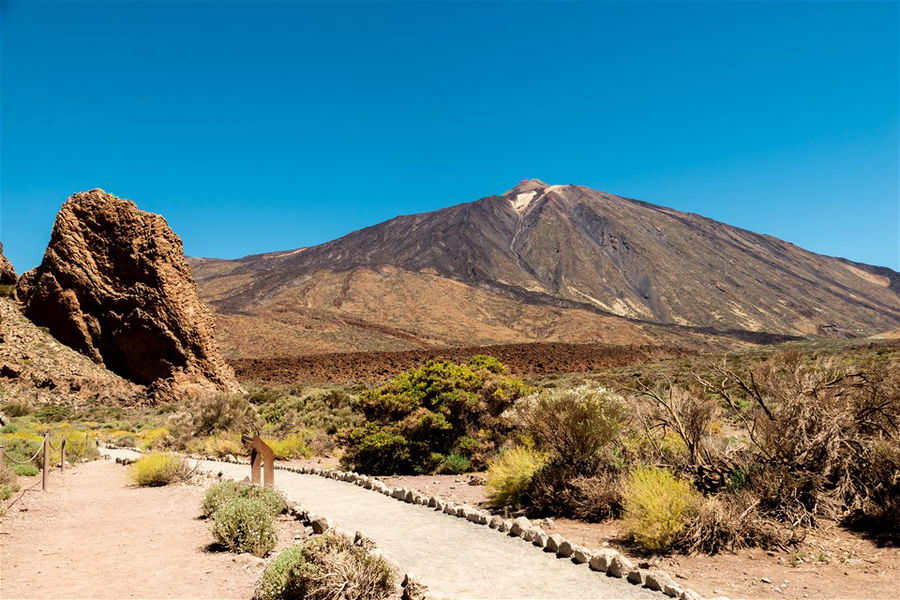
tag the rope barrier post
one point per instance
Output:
(46, 461)
(62, 455)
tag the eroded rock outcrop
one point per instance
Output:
(7, 272)
(115, 286)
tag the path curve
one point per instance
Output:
(453, 557)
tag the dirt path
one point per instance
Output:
(91, 535)
(453, 557)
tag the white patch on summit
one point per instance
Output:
(520, 202)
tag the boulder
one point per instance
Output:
(319, 524)
(636, 576)
(519, 526)
(619, 566)
(581, 555)
(656, 580)
(565, 549)
(114, 285)
(7, 272)
(672, 590)
(553, 542)
(601, 559)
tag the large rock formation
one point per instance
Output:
(37, 369)
(115, 286)
(7, 272)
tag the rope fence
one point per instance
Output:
(45, 447)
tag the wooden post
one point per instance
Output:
(46, 461)
(1, 455)
(62, 455)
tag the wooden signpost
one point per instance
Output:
(260, 455)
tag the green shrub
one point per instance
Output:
(223, 492)
(455, 463)
(123, 439)
(80, 446)
(326, 567)
(424, 414)
(53, 414)
(509, 475)
(21, 446)
(154, 438)
(26, 470)
(6, 491)
(16, 409)
(294, 445)
(245, 525)
(8, 482)
(158, 468)
(326, 411)
(657, 507)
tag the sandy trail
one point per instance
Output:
(91, 535)
(453, 557)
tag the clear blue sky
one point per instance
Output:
(264, 126)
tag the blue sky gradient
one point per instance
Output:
(258, 126)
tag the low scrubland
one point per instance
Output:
(689, 455)
(750, 456)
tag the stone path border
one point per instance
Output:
(608, 561)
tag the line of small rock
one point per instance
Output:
(608, 561)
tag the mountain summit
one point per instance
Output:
(576, 263)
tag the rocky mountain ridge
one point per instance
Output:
(583, 265)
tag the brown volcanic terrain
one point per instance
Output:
(541, 263)
(521, 359)
(35, 368)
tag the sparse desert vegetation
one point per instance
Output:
(159, 468)
(327, 567)
(750, 455)
(704, 456)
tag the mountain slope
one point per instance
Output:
(556, 263)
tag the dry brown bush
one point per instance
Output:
(577, 426)
(818, 432)
(730, 521)
(561, 491)
(212, 414)
(580, 430)
(686, 414)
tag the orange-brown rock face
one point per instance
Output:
(7, 273)
(115, 286)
